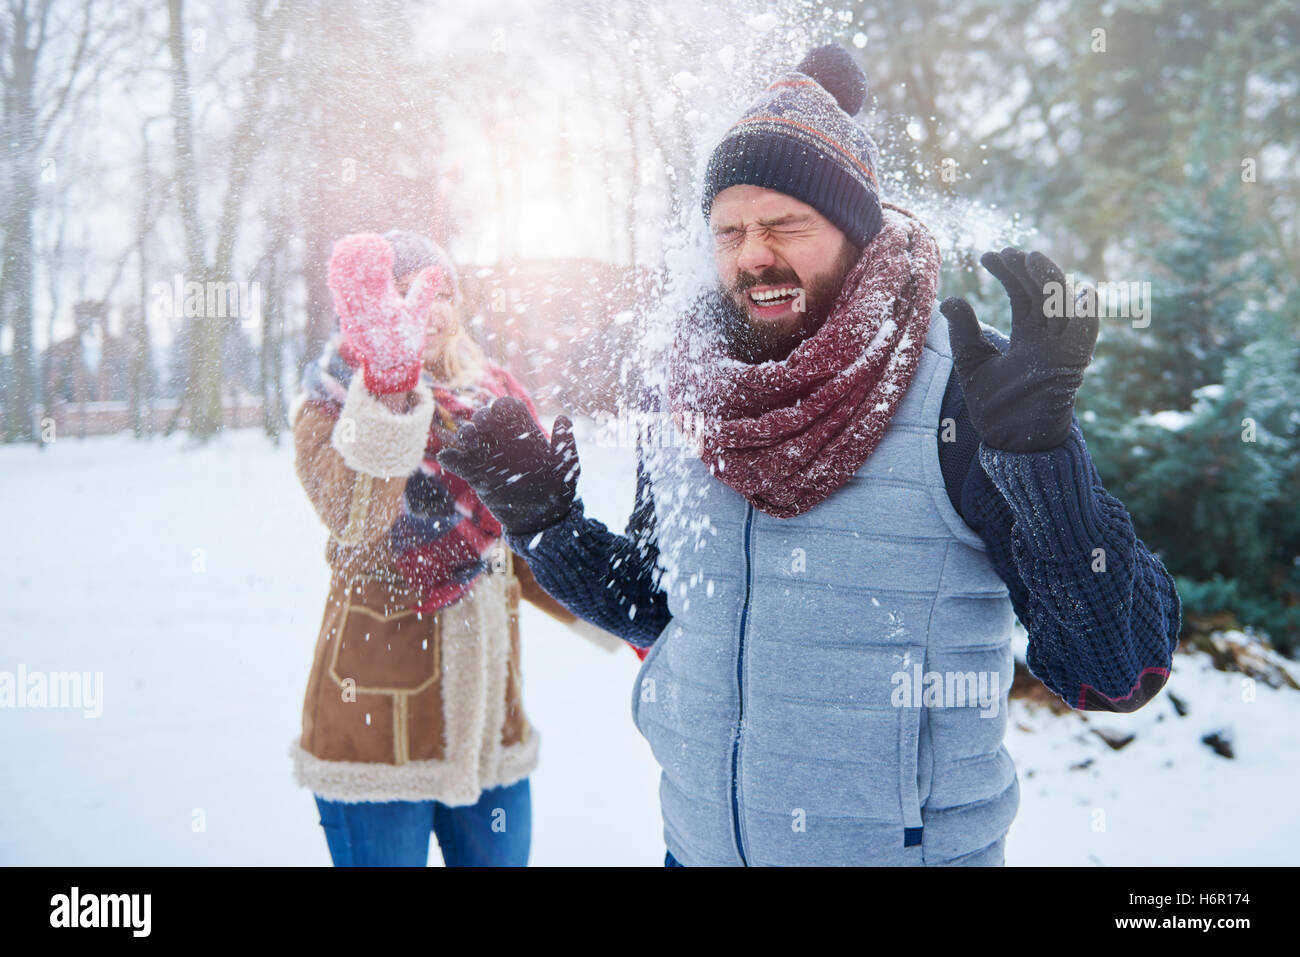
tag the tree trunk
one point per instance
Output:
(16, 292)
(203, 385)
(18, 254)
(141, 379)
(269, 357)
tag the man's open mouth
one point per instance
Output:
(769, 300)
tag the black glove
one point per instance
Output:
(1022, 401)
(527, 483)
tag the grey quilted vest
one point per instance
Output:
(831, 688)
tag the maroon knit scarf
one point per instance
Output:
(787, 434)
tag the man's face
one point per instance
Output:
(780, 264)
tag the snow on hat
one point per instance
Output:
(799, 138)
(413, 252)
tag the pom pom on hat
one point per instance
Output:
(833, 67)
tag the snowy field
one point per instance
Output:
(193, 579)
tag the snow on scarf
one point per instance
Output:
(444, 537)
(787, 434)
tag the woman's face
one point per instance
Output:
(442, 316)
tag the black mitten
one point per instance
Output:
(527, 483)
(1022, 401)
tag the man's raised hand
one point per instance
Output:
(1023, 400)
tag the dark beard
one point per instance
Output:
(753, 343)
(741, 338)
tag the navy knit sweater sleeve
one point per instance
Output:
(1101, 611)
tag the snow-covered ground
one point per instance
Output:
(193, 580)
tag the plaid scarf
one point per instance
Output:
(444, 537)
(787, 434)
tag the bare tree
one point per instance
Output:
(33, 104)
(203, 385)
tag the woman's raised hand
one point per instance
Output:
(383, 332)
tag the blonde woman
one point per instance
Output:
(413, 720)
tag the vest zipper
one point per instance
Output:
(740, 690)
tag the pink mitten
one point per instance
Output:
(382, 332)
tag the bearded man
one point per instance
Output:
(826, 572)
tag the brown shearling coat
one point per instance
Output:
(403, 706)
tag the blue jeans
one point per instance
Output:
(495, 832)
(670, 861)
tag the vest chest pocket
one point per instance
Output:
(381, 644)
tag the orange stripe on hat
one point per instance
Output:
(815, 132)
(780, 83)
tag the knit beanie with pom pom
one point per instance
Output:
(800, 139)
